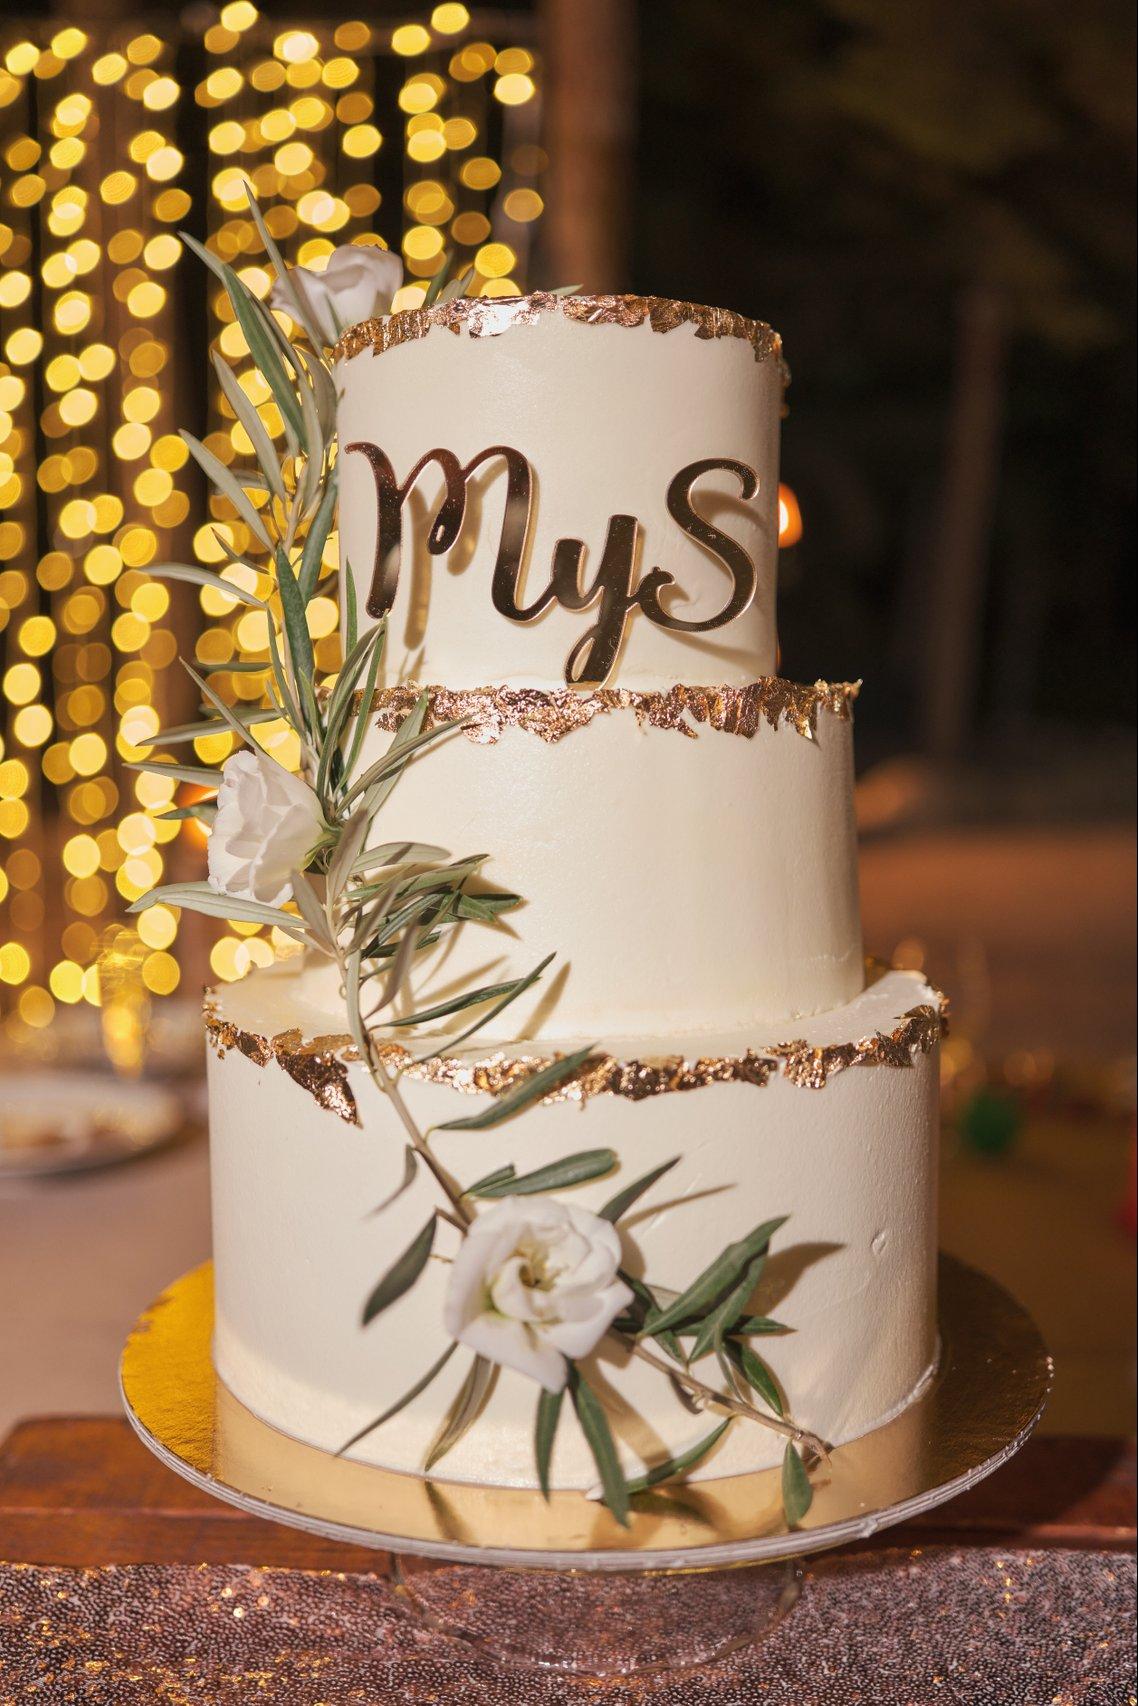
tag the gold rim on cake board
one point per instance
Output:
(975, 1412)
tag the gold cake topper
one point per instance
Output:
(612, 590)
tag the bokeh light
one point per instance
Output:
(423, 132)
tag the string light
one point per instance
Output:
(92, 470)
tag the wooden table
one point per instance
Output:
(85, 1492)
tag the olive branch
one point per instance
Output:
(372, 909)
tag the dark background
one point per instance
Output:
(870, 177)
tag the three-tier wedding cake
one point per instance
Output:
(566, 508)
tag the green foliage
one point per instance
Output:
(797, 1493)
(402, 1274)
(598, 1436)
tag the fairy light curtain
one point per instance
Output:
(108, 145)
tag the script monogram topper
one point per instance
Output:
(611, 589)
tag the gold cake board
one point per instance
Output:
(976, 1411)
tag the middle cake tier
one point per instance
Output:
(689, 855)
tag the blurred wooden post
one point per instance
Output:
(590, 121)
(959, 557)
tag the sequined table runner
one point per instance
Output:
(981, 1627)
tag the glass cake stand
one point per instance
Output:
(704, 1568)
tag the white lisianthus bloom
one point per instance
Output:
(535, 1282)
(357, 284)
(268, 821)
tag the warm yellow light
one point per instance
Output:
(165, 163)
(789, 518)
(117, 187)
(13, 779)
(22, 58)
(21, 683)
(33, 725)
(66, 981)
(360, 141)
(472, 61)
(481, 173)
(421, 93)
(78, 407)
(223, 84)
(227, 137)
(422, 243)
(494, 260)
(81, 856)
(410, 39)
(459, 132)
(146, 299)
(96, 361)
(449, 19)
(36, 1007)
(160, 94)
(109, 68)
(157, 927)
(238, 16)
(15, 287)
(523, 205)
(296, 46)
(160, 973)
(293, 158)
(15, 962)
(514, 89)
(23, 346)
(426, 146)
(162, 251)
(88, 754)
(37, 636)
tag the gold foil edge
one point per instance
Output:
(489, 317)
(320, 1066)
(552, 713)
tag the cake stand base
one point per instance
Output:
(598, 1626)
(703, 1568)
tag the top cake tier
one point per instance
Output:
(503, 460)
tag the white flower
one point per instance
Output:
(268, 821)
(535, 1282)
(357, 284)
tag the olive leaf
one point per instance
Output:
(718, 1322)
(184, 732)
(209, 577)
(401, 1403)
(755, 1372)
(557, 1176)
(249, 417)
(410, 1168)
(202, 898)
(707, 1289)
(623, 1200)
(797, 1493)
(598, 1436)
(219, 475)
(196, 774)
(464, 1412)
(531, 1089)
(458, 1003)
(401, 1276)
(544, 1433)
(673, 1466)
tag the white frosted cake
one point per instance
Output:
(679, 822)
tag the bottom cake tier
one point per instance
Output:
(834, 1126)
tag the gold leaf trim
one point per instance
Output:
(552, 713)
(320, 1066)
(489, 317)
